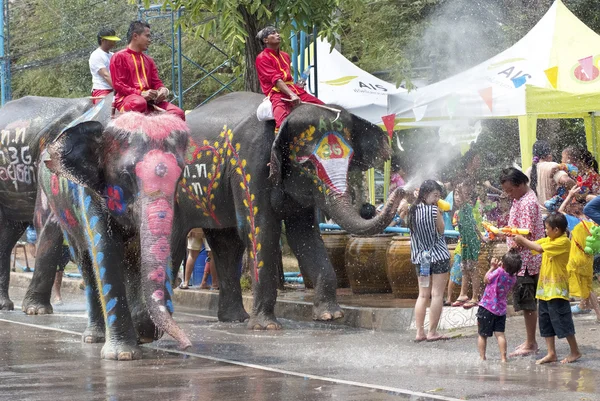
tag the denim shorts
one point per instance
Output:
(441, 267)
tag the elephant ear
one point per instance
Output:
(371, 144)
(76, 155)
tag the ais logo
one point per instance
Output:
(362, 85)
(511, 71)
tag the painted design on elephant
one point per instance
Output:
(16, 164)
(217, 155)
(93, 237)
(114, 199)
(157, 172)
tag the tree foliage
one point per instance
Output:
(237, 22)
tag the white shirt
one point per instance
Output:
(99, 59)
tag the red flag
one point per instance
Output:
(486, 95)
(389, 121)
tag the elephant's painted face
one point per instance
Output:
(136, 159)
(325, 149)
(144, 160)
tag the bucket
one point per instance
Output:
(198, 272)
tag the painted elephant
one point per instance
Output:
(240, 183)
(113, 193)
(26, 126)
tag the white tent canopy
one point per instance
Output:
(343, 83)
(552, 72)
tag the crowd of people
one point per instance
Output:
(533, 225)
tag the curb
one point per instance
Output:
(376, 319)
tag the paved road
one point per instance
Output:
(42, 358)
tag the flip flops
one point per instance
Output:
(184, 287)
(576, 310)
(459, 302)
(469, 304)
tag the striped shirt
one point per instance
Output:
(425, 237)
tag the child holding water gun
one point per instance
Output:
(555, 318)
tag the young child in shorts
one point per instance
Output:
(554, 313)
(491, 315)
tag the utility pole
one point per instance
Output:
(4, 61)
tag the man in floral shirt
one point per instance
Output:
(525, 213)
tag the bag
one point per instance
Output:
(264, 111)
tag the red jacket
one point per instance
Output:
(132, 73)
(271, 66)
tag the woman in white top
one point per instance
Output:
(427, 234)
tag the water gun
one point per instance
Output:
(514, 231)
(569, 169)
(492, 230)
(592, 243)
(443, 205)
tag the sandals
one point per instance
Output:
(184, 287)
(469, 305)
(576, 310)
(459, 302)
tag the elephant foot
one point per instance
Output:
(120, 352)
(233, 315)
(93, 335)
(264, 322)
(6, 304)
(327, 312)
(33, 306)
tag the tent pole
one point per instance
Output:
(590, 138)
(527, 137)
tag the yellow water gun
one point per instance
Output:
(492, 230)
(514, 231)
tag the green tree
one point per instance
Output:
(237, 22)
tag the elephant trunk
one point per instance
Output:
(156, 227)
(343, 213)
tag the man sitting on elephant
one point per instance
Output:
(135, 76)
(273, 68)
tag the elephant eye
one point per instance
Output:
(125, 178)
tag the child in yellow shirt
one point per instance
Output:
(555, 318)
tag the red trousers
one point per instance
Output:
(98, 93)
(139, 104)
(282, 109)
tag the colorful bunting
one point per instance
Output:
(389, 121)
(419, 112)
(519, 81)
(552, 75)
(486, 95)
(587, 65)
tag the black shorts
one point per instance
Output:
(555, 318)
(524, 293)
(441, 267)
(488, 323)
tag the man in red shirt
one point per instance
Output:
(274, 74)
(135, 76)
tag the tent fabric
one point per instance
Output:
(552, 71)
(344, 84)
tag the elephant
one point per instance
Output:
(26, 126)
(240, 183)
(112, 191)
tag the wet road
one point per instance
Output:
(42, 358)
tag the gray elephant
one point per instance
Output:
(240, 183)
(26, 126)
(113, 193)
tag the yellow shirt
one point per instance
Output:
(553, 282)
(580, 262)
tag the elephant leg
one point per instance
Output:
(305, 240)
(178, 249)
(49, 254)
(10, 231)
(227, 250)
(95, 330)
(267, 261)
